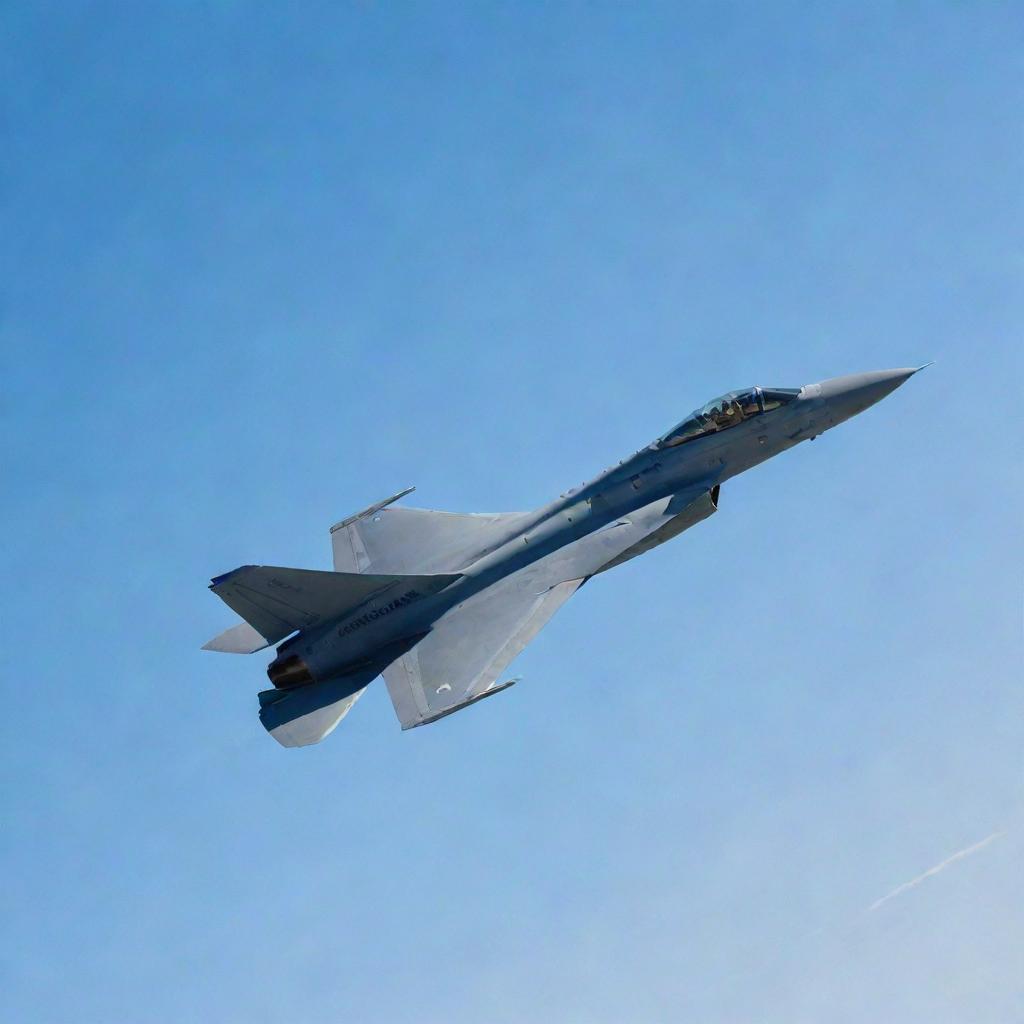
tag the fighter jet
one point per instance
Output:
(439, 603)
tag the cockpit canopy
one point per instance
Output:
(727, 411)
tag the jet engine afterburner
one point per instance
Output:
(289, 671)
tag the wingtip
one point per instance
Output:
(218, 580)
(371, 509)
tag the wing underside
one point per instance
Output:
(461, 660)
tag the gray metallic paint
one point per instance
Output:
(628, 509)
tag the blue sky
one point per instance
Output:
(263, 265)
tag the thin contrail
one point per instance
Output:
(942, 865)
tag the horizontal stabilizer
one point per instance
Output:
(306, 714)
(240, 639)
(297, 718)
(276, 601)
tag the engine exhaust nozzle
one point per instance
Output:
(287, 672)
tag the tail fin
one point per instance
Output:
(276, 601)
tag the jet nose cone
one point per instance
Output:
(847, 396)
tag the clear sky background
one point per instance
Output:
(264, 264)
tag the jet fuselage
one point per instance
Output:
(696, 464)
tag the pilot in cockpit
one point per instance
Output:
(726, 414)
(728, 411)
